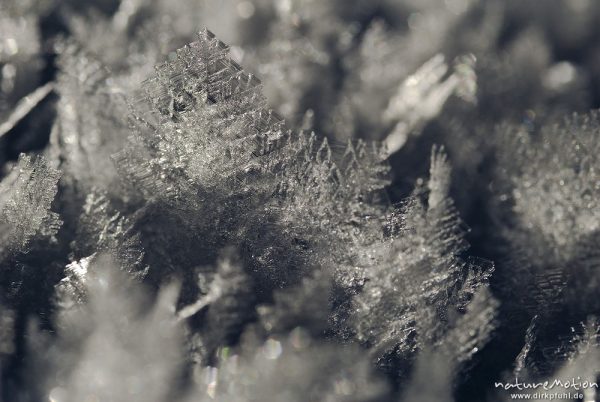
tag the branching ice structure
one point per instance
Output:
(319, 255)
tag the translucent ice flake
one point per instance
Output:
(438, 365)
(423, 94)
(105, 229)
(578, 356)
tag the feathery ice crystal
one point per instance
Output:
(274, 235)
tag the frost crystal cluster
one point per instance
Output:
(289, 217)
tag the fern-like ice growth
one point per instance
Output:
(583, 364)
(583, 359)
(26, 195)
(208, 165)
(412, 298)
(102, 228)
(217, 112)
(438, 367)
(204, 140)
(206, 145)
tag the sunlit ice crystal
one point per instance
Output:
(227, 139)
(203, 89)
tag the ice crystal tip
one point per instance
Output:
(422, 95)
(439, 177)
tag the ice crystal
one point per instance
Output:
(298, 275)
(193, 96)
(471, 331)
(24, 107)
(71, 289)
(228, 301)
(562, 183)
(91, 122)
(437, 368)
(423, 94)
(102, 230)
(292, 368)
(26, 195)
(409, 299)
(584, 354)
(231, 149)
(523, 367)
(204, 140)
(577, 355)
(114, 347)
(364, 94)
(105, 229)
(583, 363)
(548, 180)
